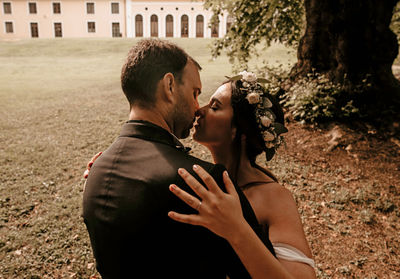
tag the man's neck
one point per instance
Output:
(149, 115)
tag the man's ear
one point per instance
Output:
(168, 83)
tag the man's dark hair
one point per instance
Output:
(147, 62)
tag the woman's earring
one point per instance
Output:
(234, 132)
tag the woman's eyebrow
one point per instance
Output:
(213, 99)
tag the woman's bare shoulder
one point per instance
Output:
(274, 205)
(269, 199)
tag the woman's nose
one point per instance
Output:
(200, 112)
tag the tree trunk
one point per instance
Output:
(349, 41)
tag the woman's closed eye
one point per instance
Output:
(214, 107)
(214, 104)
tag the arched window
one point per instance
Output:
(184, 26)
(138, 26)
(169, 26)
(199, 26)
(154, 26)
(229, 21)
(214, 30)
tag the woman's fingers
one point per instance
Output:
(186, 197)
(193, 183)
(207, 179)
(94, 158)
(86, 174)
(90, 163)
(220, 213)
(230, 188)
(192, 219)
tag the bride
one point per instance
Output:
(241, 121)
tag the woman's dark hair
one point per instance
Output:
(244, 119)
(147, 62)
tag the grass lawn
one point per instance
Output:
(61, 102)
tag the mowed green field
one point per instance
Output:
(60, 103)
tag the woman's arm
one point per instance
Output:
(221, 213)
(275, 206)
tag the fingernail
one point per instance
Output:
(181, 171)
(195, 167)
(226, 174)
(90, 164)
(172, 187)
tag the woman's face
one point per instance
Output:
(214, 122)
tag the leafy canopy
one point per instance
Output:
(253, 22)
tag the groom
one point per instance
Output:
(126, 199)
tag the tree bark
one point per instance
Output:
(349, 41)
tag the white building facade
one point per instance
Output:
(171, 19)
(62, 18)
(108, 18)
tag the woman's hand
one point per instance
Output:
(219, 212)
(90, 163)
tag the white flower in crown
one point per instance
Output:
(270, 115)
(265, 121)
(248, 76)
(268, 137)
(253, 98)
(269, 144)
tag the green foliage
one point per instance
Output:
(395, 24)
(255, 22)
(274, 76)
(315, 98)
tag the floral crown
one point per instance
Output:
(257, 96)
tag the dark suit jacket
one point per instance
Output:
(125, 206)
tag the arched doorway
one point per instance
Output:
(214, 30)
(169, 26)
(138, 26)
(154, 26)
(229, 21)
(199, 26)
(184, 26)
